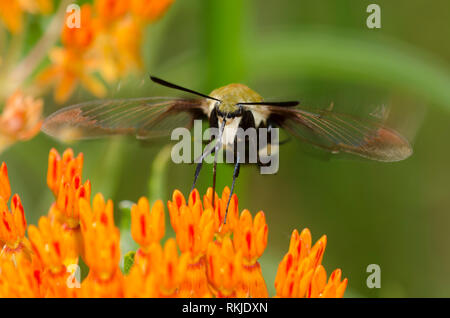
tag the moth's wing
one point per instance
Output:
(144, 117)
(337, 133)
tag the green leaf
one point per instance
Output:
(128, 261)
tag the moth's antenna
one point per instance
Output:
(279, 104)
(170, 85)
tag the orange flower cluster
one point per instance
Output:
(20, 119)
(106, 41)
(300, 273)
(214, 259)
(11, 12)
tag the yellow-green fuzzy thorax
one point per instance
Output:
(233, 94)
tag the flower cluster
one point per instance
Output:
(20, 119)
(102, 40)
(107, 41)
(11, 12)
(205, 259)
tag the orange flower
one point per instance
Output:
(102, 251)
(19, 278)
(20, 120)
(11, 12)
(63, 169)
(116, 52)
(72, 64)
(224, 268)
(216, 260)
(110, 11)
(50, 245)
(108, 42)
(119, 38)
(150, 10)
(12, 223)
(147, 227)
(5, 187)
(80, 39)
(64, 179)
(67, 70)
(194, 227)
(194, 230)
(300, 273)
(168, 268)
(160, 276)
(157, 272)
(250, 237)
(220, 205)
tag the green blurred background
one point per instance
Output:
(394, 215)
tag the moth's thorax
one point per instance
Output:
(231, 95)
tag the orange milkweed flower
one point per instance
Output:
(215, 260)
(12, 223)
(64, 179)
(50, 246)
(194, 229)
(80, 39)
(220, 204)
(67, 69)
(20, 120)
(102, 249)
(250, 237)
(161, 275)
(11, 12)
(108, 42)
(150, 10)
(110, 11)
(156, 272)
(147, 226)
(19, 278)
(147, 229)
(72, 64)
(65, 168)
(300, 273)
(5, 187)
(224, 268)
(117, 47)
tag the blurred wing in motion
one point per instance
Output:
(336, 133)
(144, 117)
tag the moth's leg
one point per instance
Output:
(235, 175)
(215, 149)
(214, 178)
(197, 172)
(199, 166)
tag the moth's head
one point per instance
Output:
(230, 96)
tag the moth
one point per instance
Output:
(231, 106)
